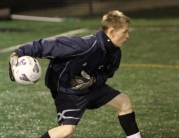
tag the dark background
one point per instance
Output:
(93, 8)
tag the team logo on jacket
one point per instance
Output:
(84, 64)
(101, 66)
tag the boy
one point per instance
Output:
(77, 73)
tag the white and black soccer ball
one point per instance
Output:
(28, 70)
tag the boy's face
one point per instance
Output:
(120, 36)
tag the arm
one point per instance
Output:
(48, 48)
(51, 48)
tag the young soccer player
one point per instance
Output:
(77, 73)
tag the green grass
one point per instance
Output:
(149, 74)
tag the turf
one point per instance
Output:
(149, 74)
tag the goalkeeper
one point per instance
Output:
(77, 73)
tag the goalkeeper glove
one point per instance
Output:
(12, 62)
(82, 82)
(14, 59)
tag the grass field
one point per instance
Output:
(149, 74)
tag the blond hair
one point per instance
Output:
(115, 19)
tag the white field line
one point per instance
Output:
(35, 18)
(63, 34)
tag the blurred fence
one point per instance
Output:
(82, 8)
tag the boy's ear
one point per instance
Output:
(110, 32)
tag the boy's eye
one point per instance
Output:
(125, 32)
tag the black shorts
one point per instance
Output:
(70, 108)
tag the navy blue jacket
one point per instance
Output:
(69, 56)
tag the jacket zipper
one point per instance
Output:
(61, 75)
(113, 62)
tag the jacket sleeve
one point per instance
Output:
(52, 48)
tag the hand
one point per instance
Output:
(14, 59)
(12, 62)
(82, 82)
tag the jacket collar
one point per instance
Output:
(105, 42)
(109, 46)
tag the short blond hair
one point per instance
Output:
(115, 19)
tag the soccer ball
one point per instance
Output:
(28, 70)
